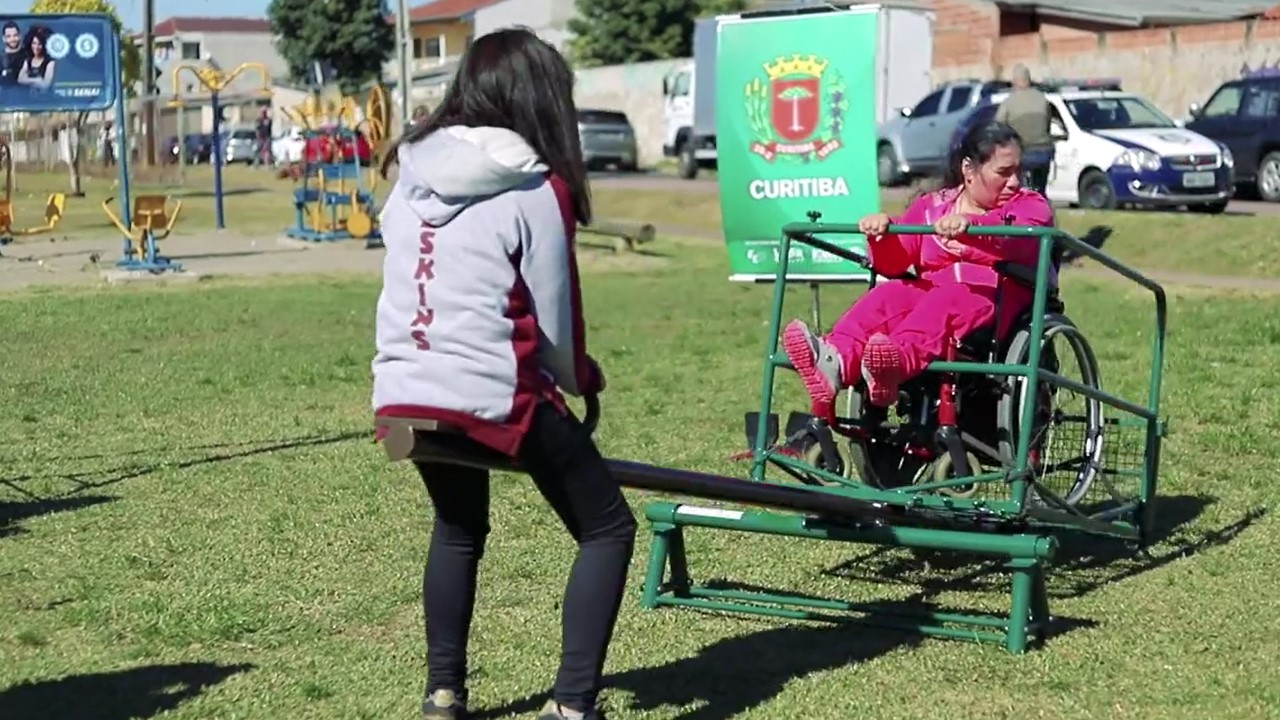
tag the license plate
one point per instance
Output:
(1198, 180)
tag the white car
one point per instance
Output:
(288, 148)
(1116, 149)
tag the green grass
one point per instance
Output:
(193, 516)
(261, 204)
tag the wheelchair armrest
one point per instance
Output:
(1022, 274)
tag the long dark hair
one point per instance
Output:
(977, 146)
(41, 33)
(512, 79)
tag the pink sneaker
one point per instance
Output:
(882, 368)
(818, 365)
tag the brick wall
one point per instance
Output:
(1172, 66)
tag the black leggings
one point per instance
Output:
(570, 473)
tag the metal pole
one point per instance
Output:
(404, 43)
(216, 159)
(148, 79)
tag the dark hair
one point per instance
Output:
(512, 79)
(977, 146)
(41, 32)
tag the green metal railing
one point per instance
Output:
(1048, 239)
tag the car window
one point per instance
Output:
(681, 86)
(243, 135)
(959, 98)
(1260, 101)
(1117, 113)
(601, 117)
(1224, 103)
(929, 105)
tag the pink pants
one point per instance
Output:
(921, 317)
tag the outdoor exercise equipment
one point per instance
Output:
(53, 207)
(215, 80)
(152, 220)
(973, 459)
(333, 201)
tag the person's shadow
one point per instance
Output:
(734, 675)
(132, 694)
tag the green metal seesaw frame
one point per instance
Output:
(1023, 533)
(1020, 532)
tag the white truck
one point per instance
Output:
(903, 61)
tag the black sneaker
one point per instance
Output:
(443, 705)
(552, 711)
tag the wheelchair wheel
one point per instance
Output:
(881, 462)
(1067, 430)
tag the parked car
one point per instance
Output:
(607, 138)
(196, 147)
(289, 147)
(1244, 115)
(1116, 149)
(239, 146)
(914, 143)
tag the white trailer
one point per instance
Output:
(903, 61)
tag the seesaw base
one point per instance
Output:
(668, 583)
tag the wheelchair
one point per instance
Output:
(954, 425)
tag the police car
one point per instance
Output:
(1116, 149)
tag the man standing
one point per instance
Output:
(14, 55)
(1027, 110)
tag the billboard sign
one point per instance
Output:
(58, 63)
(795, 132)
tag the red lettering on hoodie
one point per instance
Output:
(424, 274)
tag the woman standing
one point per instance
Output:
(479, 325)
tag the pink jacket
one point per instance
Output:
(932, 261)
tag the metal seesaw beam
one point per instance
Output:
(426, 441)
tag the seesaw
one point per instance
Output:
(978, 458)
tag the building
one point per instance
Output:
(198, 41)
(1174, 53)
(548, 18)
(441, 31)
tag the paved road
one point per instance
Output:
(657, 181)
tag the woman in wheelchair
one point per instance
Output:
(892, 333)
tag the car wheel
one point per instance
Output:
(1096, 192)
(1213, 208)
(688, 162)
(887, 166)
(1269, 177)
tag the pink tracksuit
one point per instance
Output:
(955, 294)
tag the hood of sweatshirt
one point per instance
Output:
(455, 166)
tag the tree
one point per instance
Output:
(614, 32)
(352, 37)
(130, 67)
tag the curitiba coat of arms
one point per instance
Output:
(796, 114)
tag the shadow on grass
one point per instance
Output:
(734, 675)
(12, 513)
(98, 479)
(1085, 563)
(132, 694)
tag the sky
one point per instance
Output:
(130, 11)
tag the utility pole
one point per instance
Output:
(148, 81)
(404, 45)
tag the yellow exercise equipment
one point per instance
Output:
(151, 220)
(54, 206)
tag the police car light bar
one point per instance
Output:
(1060, 84)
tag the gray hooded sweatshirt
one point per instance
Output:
(480, 312)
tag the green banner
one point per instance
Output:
(795, 132)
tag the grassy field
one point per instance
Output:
(193, 519)
(260, 204)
